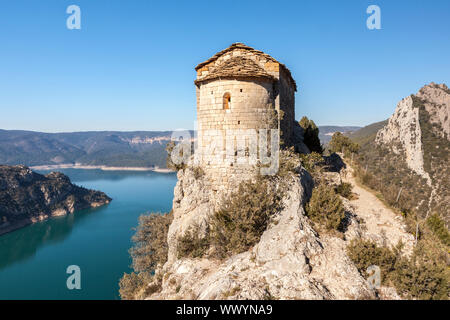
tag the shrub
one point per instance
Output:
(198, 172)
(365, 253)
(244, 217)
(169, 163)
(192, 244)
(437, 226)
(131, 284)
(341, 143)
(421, 280)
(345, 190)
(311, 135)
(150, 249)
(150, 241)
(289, 162)
(423, 276)
(312, 162)
(325, 207)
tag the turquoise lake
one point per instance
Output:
(34, 259)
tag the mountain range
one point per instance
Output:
(99, 148)
(107, 148)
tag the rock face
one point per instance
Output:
(404, 133)
(419, 132)
(27, 197)
(291, 261)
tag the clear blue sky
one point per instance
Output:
(131, 66)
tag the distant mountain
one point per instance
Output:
(326, 132)
(367, 133)
(27, 197)
(407, 157)
(108, 148)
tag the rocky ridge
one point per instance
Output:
(27, 197)
(419, 134)
(404, 133)
(291, 260)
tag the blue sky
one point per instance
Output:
(131, 66)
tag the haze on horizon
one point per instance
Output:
(131, 66)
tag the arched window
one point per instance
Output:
(226, 101)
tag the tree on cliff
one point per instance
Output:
(341, 143)
(311, 135)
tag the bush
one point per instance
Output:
(422, 276)
(425, 281)
(365, 253)
(345, 190)
(312, 162)
(244, 217)
(150, 241)
(192, 244)
(198, 172)
(341, 143)
(311, 135)
(169, 163)
(325, 207)
(131, 284)
(437, 226)
(150, 249)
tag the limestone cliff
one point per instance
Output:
(27, 197)
(291, 260)
(403, 131)
(419, 133)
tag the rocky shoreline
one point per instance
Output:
(27, 197)
(104, 168)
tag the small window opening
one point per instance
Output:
(241, 90)
(239, 122)
(226, 101)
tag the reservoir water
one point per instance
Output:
(34, 259)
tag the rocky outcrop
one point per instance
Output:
(27, 197)
(404, 135)
(291, 260)
(404, 132)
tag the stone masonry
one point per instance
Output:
(244, 96)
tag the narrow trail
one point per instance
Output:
(383, 225)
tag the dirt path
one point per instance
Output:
(383, 225)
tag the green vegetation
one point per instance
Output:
(108, 148)
(422, 276)
(192, 244)
(345, 190)
(386, 172)
(311, 135)
(169, 163)
(436, 150)
(313, 162)
(136, 285)
(437, 226)
(150, 241)
(365, 253)
(149, 250)
(367, 134)
(341, 143)
(245, 216)
(325, 207)
(425, 275)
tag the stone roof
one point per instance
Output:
(242, 46)
(237, 67)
